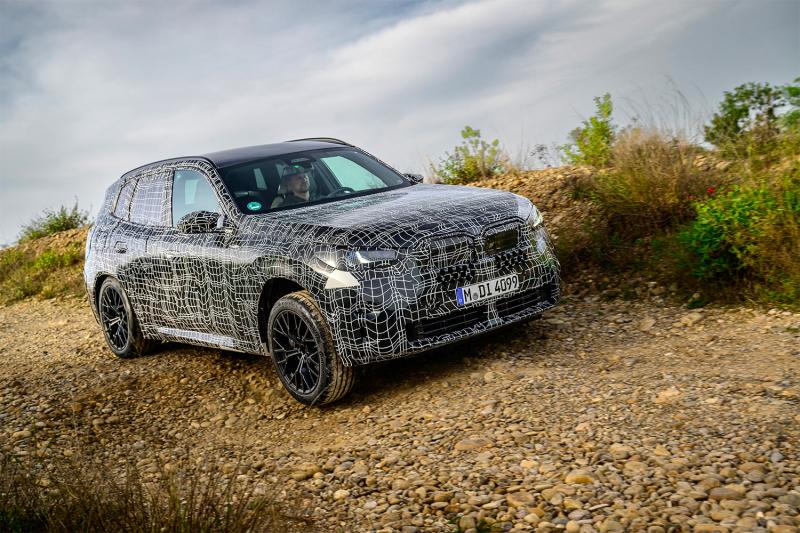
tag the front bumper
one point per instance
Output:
(412, 307)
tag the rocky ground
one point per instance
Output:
(602, 416)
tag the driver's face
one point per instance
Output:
(298, 184)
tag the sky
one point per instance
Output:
(89, 90)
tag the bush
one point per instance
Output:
(591, 143)
(751, 118)
(50, 222)
(728, 230)
(751, 235)
(722, 222)
(473, 160)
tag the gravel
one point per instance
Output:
(602, 416)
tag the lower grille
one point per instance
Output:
(458, 274)
(519, 302)
(466, 318)
(510, 261)
(447, 323)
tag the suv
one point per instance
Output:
(312, 252)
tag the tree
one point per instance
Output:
(791, 119)
(749, 108)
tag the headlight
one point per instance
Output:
(370, 258)
(535, 219)
(538, 234)
(528, 212)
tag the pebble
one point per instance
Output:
(520, 499)
(582, 477)
(472, 444)
(341, 494)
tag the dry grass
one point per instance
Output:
(74, 496)
(652, 184)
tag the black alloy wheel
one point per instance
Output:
(114, 317)
(304, 353)
(297, 355)
(120, 325)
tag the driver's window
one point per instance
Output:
(352, 175)
(191, 192)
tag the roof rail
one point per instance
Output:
(324, 139)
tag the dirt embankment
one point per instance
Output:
(553, 192)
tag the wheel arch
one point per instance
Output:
(98, 282)
(273, 290)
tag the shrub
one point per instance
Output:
(591, 143)
(747, 107)
(751, 235)
(50, 222)
(727, 231)
(473, 160)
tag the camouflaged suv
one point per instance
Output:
(314, 253)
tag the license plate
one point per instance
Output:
(487, 289)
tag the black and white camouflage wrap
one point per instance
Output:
(208, 288)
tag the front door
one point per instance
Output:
(193, 280)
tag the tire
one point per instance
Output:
(300, 341)
(120, 325)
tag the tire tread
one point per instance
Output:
(342, 377)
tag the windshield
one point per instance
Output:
(302, 178)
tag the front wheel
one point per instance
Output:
(303, 351)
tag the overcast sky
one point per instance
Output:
(89, 90)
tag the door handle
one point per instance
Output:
(120, 247)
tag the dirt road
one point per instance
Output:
(602, 416)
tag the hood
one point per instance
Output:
(400, 217)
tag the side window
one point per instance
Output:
(191, 191)
(149, 201)
(122, 209)
(350, 174)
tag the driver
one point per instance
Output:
(295, 183)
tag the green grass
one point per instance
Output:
(26, 272)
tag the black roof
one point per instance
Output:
(235, 156)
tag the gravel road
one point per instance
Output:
(601, 416)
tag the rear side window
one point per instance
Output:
(123, 205)
(191, 192)
(149, 201)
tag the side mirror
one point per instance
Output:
(199, 222)
(414, 178)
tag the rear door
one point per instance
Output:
(144, 217)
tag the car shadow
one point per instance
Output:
(438, 365)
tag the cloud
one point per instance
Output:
(89, 90)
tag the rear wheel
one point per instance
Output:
(303, 351)
(120, 325)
